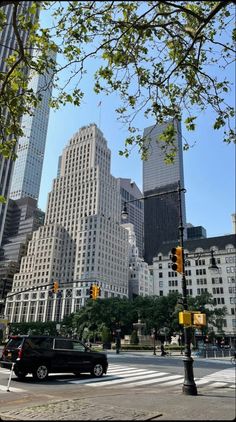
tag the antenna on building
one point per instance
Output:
(99, 117)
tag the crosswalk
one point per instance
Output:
(134, 377)
(127, 377)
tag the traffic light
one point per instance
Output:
(192, 318)
(94, 291)
(177, 259)
(55, 286)
(98, 291)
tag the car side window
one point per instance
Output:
(63, 344)
(78, 346)
(38, 343)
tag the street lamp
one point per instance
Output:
(189, 386)
(154, 340)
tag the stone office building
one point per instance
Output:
(82, 241)
(199, 278)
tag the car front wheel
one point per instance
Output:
(41, 372)
(97, 370)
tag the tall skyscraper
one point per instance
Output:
(161, 214)
(27, 169)
(129, 192)
(82, 241)
(22, 218)
(9, 43)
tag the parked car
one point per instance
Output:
(41, 355)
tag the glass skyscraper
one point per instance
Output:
(161, 214)
(8, 43)
(27, 170)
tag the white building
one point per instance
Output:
(82, 240)
(130, 196)
(199, 278)
(140, 278)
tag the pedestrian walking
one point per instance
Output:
(163, 352)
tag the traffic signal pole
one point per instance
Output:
(189, 386)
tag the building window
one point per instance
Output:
(217, 280)
(232, 289)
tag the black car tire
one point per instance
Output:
(97, 370)
(20, 374)
(41, 372)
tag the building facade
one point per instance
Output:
(162, 213)
(199, 278)
(82, 241)
(196, 232)
(129, 192)
(22, 218)
(140, 278)
(27, 171)
(9, 43)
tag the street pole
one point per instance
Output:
(118, 330)
(189, 386)
(154, 341)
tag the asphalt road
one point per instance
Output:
(145, 365)
(146, 377)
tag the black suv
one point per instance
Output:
(41, 355)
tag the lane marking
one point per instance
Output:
(133, 378)
(154, 381)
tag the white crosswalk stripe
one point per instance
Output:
(129, 376)
(135, 377)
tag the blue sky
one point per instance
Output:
(209, 166)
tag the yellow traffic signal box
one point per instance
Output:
(192, 318)
(199, 319)
(94, 291)
(185, 318)
(55, 286)
(177, 259)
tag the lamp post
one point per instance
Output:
(118, 330)
(189, 386)
(154, 340)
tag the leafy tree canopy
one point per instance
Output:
(159, 312)
(163, 58)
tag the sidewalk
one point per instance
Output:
(172, 354)
(131, 405)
